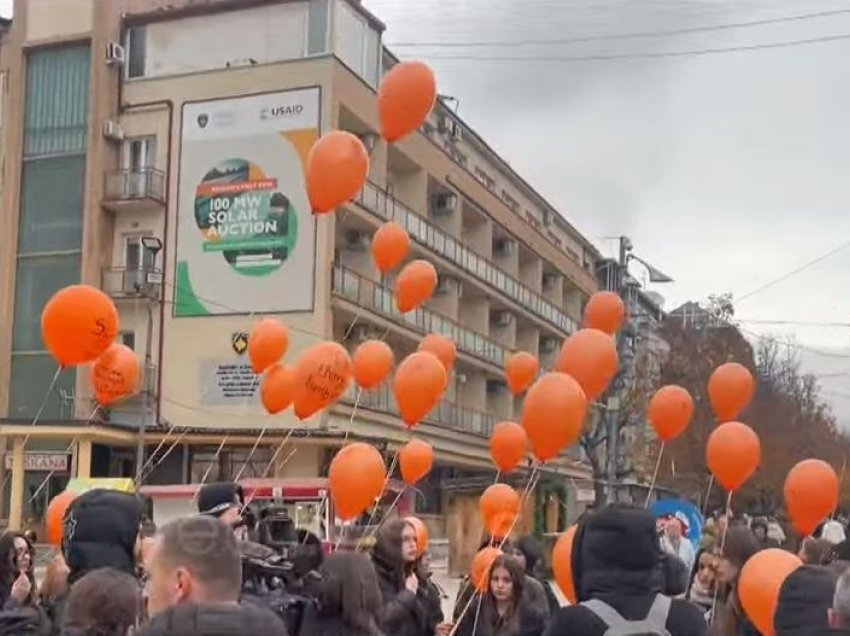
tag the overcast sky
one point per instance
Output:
(726, 170)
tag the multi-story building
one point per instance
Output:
(126, 116)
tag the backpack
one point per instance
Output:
(655, 623)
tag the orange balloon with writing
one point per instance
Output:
(373, 360)
(406, 96)
(590, 356)
(760, 582)
(337, 167)
(441, 347)
(553, 414)
(355, 479)
(605, 311)
(419, 383)
(277, 388)
(521, 369)
(482, 563)
(267, 343)
(422, 537)
(499, 507)
(56, 511)
(733, 453)
(730, 389)
(323, 373)
(562, 563)
(115, 374)
(415, 460)
(508, 445)
(78, 323)
(390, 246)
(415, 285)
(670, 411)
(811, 494)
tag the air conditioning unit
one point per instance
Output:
(506, 247)
(114, 54)
(112, 130)
(456, 131)
(502, 318)
(443, 204)
(548, 345)
(356, 240)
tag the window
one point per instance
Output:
(485, 179)
(318, 22)
(357, 44)
(136, 46)
(512, 203)
(128, 339)
(136, 257)
(51, 205)
(140, 153)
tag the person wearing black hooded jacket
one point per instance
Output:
(616, 559)
(805, 599)
(410, 606)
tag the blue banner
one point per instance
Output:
(685, 512)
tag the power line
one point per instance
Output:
(803, 323)
(628, 36)
(640, 56)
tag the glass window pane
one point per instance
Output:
(31, 375)
(318, 26)
(52, 205)
(37, 280)
(137, 49)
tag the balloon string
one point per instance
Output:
(477, 614)
(707, 495)
(462, 615)
(381, 495)
(165, 455)
(146, 465)
(353, 415)
(268, 467)
(251, 454)
(374, 530)
(210, 466)
(722, 547)
(654, 476)
(46, 397)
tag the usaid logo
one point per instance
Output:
(275, 112)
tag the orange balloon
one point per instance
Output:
(78, 323)
(415, 284)
(267, 343)
(508, 445)
(441, 347)
(115, 374)
(521, 369)
(759, 584)
(277, 389)
(415, 459)
(590, 356)
(733, 454)
(482, 563)
(422, 537)
(730, 389)
(418, 385)
(390, 246)
(56, 511)
(337, 167)
(373, 360)
(562, 563)
(323, 373)
(405, 98)
(553, 414)
(811, 494)
(356, 479)
(605, 311)
(499, 507)
(670, 411)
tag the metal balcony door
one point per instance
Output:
(139, 158)
(137, 263)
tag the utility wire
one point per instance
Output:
(628, 36)
(640, 56)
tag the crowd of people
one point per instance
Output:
(190, 578)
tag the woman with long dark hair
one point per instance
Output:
(409, 606)
(501, 611)
(704, 579)
(17, 580)
(729, 618)
(348, 598)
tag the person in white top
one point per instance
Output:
(674, 541)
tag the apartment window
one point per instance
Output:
(485, 179)
(555, 240)
(136, 257)
(533, 220)
(136, 47)
(128, 339)
(140, 153)
(512, 203)
(318, 27)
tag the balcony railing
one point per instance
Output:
(445, 414)
(134, 184)
(131, 283)
(374, 297)
(386, 206)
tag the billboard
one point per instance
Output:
(246, 238)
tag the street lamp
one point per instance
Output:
(152, 245)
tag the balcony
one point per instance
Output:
(445, 414)
(132, 283)
(385, 206)
(381, 300)
(134, 190)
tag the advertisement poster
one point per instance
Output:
(246, 238)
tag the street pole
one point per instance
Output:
(146, 378)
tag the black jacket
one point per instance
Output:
(316, 623)
(617, 559)
(215, 620)
(527, 622)
(804, 601)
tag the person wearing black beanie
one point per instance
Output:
(222, 500)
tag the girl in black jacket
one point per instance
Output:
(410, 606)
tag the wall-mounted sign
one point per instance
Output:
(42, 462)
(227, 382)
